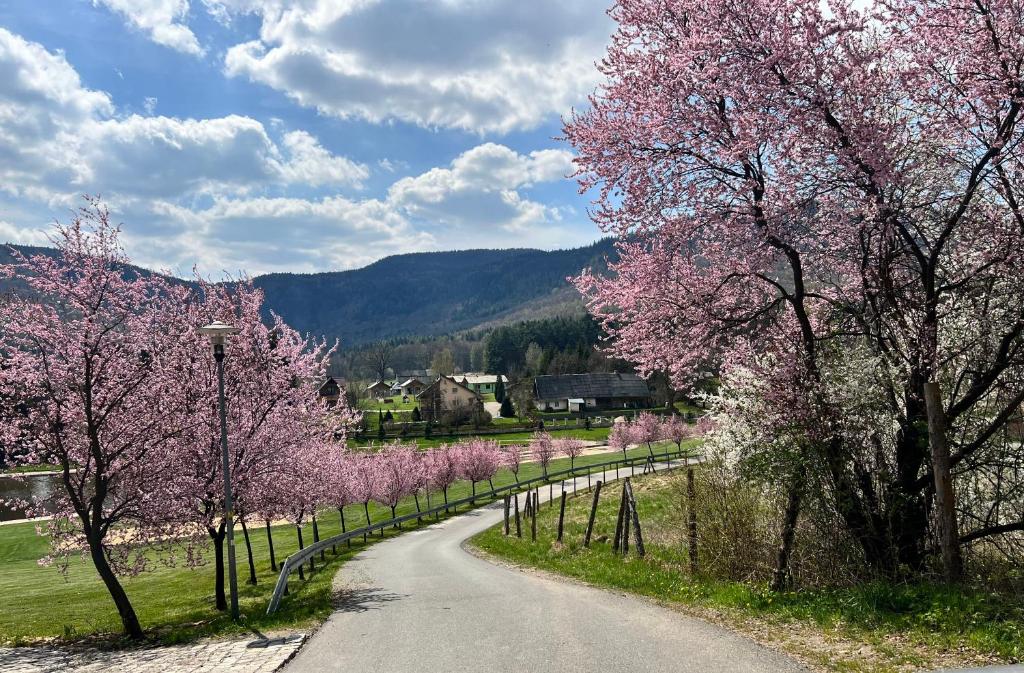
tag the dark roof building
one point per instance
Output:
(574, 392)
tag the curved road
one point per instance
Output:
(419, 602)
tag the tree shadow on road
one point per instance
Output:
(363, 599)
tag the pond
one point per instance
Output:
(27, 487)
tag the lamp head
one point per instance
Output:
(218, 332)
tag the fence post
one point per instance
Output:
(561, 516)
(533, 522)
(593, 513)
(691, 498)
(519, 530)
(617, 540)
(506, 515)
(625, 519)
(551, 495)
(637, 534)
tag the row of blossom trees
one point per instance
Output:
(105, 375)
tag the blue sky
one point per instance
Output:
(263, 135)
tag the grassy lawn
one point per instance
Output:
(22, 469)
(372, 405)
(874, 627)
(596, 434)
(176, 603)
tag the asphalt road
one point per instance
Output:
(419, 602)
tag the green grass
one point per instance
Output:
(22, 469)
(904, 625)
(372, 405)
(176, 603)
(595, 434)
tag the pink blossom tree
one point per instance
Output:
(276, 421)
(478, 460)
(791, 186)
(397, 474)
(443, 470)
(570, 447)
(543, 448)
(675, 428)
(646, 429)
(621, 437)
(512, 458)
(362, 475)
(95, 365)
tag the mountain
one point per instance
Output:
(430, 293)
(422, 294)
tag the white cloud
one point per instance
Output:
(479, 189)
(149, 104)
(230, 193)
(57, 136)
(311, 164)
(10, 233)
(164, 21)
(478, 65)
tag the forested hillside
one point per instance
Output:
(431, 293)
(422, 294)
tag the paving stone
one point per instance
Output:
(209, 656)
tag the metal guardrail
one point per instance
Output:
(293, 562)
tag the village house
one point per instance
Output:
(330, 390)
(447, 400)
(482, 384)
(378, 389)
(411, 387)
(580, 392)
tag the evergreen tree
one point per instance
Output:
(388, 417)
(416, 415)
(499, 389)
(380, 424)
(506, 411)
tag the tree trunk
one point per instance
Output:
(366, 510)
(270, 543)
(129, 619)
(248, 551)
(341, 513)
(945, 498)
(783, 576)
(298, 530)
(217, 535)
(316, 538)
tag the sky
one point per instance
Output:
(253, 136)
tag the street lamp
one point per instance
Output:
(218, 334)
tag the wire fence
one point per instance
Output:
(296, 560)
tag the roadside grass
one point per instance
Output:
(872, 627)
(175, 603)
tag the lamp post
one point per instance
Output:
(218, 334)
